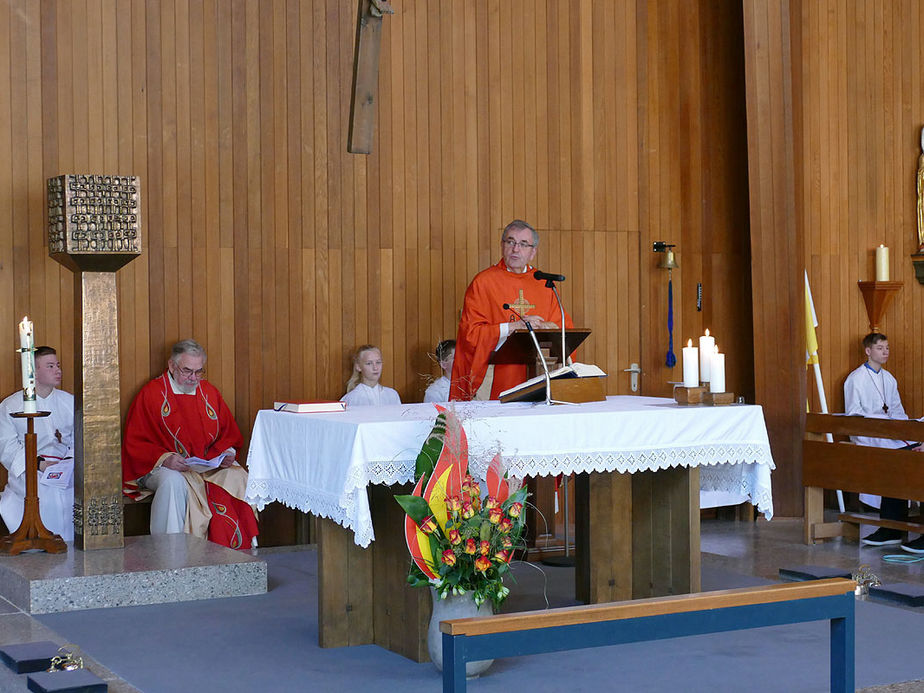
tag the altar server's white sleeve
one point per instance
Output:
(12, 450)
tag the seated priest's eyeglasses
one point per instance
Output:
(523, 245)
(190, 373)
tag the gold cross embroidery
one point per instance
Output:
(521, 306)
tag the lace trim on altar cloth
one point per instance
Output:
(260, 492)
(631, 461)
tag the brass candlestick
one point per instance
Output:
(31, 534)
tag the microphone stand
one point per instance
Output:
(567, 560)
(564, 356)
(545, 367)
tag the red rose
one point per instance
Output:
(449, 558)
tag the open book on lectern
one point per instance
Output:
(528, 389)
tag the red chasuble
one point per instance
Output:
(160, 421)
(479, 327)
(201, 425)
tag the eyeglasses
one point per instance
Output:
(190, 373)
(522, 245)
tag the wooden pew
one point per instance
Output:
(841, 465)
(596, 625)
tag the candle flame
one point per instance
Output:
(707, 331)
(717, 348)
(689, 342)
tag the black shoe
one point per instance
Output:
(916, 546)
(884, 537)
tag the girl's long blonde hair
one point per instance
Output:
(356, 376)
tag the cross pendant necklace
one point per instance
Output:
(881, 393)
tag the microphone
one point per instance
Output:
(545, 367)
(546, 277)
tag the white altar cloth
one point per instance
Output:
(322, 463)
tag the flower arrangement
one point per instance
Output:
(458, 541)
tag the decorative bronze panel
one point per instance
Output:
(94, 222)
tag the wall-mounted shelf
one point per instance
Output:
(878, 296)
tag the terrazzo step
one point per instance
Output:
(148, 570)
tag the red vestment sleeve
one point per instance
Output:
(475, 341)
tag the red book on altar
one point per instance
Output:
(309, 407)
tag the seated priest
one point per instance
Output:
(55, 445)
(177, 425)
(485, 323)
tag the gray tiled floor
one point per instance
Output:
(759, 549)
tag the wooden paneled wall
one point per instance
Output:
(777, 287)
(862, 111)
(608, 124)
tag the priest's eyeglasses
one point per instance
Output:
(190, 373)
(522, 245)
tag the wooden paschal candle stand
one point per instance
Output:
(94, 228)
(31, 534)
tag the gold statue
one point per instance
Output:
(920, 187)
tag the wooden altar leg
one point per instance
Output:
(401, 612)
(345, 582)
(603, 537)
(665, 533)
(363, 594)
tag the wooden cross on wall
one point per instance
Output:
(366, 74)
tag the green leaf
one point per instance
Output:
(415, 506)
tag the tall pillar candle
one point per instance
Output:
(882, 264)
(690, 365)
(717, 383)
(27, 358)
(706, 350)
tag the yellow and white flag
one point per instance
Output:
(811, 322)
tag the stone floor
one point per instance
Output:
(751, 548)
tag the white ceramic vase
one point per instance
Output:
(454, 606)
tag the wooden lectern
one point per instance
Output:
(520, 349)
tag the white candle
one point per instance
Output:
(27, 358)
(690, 365)
(706, 350)
(717, 384)
(882, 264)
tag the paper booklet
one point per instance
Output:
(198, 464)
(60, 474)
(575, 370)
(309, 407)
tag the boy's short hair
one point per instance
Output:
(873, 338)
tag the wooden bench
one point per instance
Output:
(596, 625)
(841, 465)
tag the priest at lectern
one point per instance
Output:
(485, 323)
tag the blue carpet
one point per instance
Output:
(269, 643)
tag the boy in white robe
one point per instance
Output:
(872, 391)
(55, 443)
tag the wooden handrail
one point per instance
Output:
(657, 606)
(840, 424)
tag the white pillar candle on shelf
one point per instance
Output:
(706, 350)
(882, 264)
(690, 365)
(717, 383)
(27, 358)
